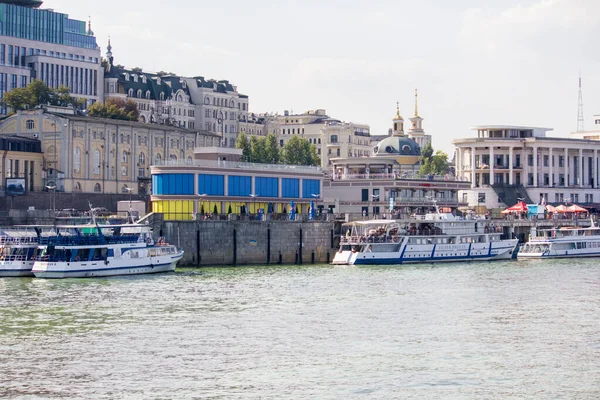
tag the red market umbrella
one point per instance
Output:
(576, 208)
(562, 209)
(519, 207)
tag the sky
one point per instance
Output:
(474, 62)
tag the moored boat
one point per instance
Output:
(17, 248)
(435, 237)
(92, 250)
(560, 242)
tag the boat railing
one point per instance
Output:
(370, 239)
(89, 240)
(6, 240)
(13, 257)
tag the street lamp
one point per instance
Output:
(202, 196)
(254, 196)
(53, 189)
(130, 210)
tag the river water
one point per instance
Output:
(495, 330)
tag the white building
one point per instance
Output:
(189, 103)
(505, 163)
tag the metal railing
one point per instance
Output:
(241, 165)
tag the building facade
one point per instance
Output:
(182, 191)
(507, 163)
(22, 164)
(94, 155)
(388, 182)
(47, 45)
(189, 103)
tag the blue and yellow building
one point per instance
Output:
(183, 190)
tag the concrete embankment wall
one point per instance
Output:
(250, 242)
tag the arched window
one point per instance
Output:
(130, 93)
(139, 93)
(77, 160)
(142, 159)
(124, 156)
(97, 162)
(144, 78)
(162, 96)
(173, 157)
(158, 158)
(30, 124)
(124, 170)
(184, 84)
(77, 187)
(189, 160)
(135, 78)
(97, 187)
(148, 94)
(179, 98)
(207, 100)
(158, 81)
(126, 76)
(142, 119)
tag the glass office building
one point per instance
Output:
(44, 44)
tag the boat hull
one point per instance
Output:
(94, 270)
(409, 254)
(16, 268)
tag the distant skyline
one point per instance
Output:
(474, 62)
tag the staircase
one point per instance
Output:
(511, 194)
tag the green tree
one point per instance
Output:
(115, 109)
(432, 164)
(257, 148)
(36, 94)
(243, 143)
(40, 93)
(272, 152)
(299, 151)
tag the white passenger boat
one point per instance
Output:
(17, 247)
(436, 237)
(94, 250)
(562, 242)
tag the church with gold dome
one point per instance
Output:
(388, 181)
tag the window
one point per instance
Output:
(130, 93)
(148, 94)
(139, 93)
(142, 159)
(141, 172)
(77, 187)
(124, 156)
(77, 160)
(124, 170)
(97, 187)
(334, 139)
(96, 162)
(162, 96)
(158, 159)
(30, 124)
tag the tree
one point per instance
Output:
(272, 152)
(37, 94)
(299, 151)
(432, 164)
(115, 109)
(257, 148)
(243, 144)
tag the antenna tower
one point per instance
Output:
(580, 109)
